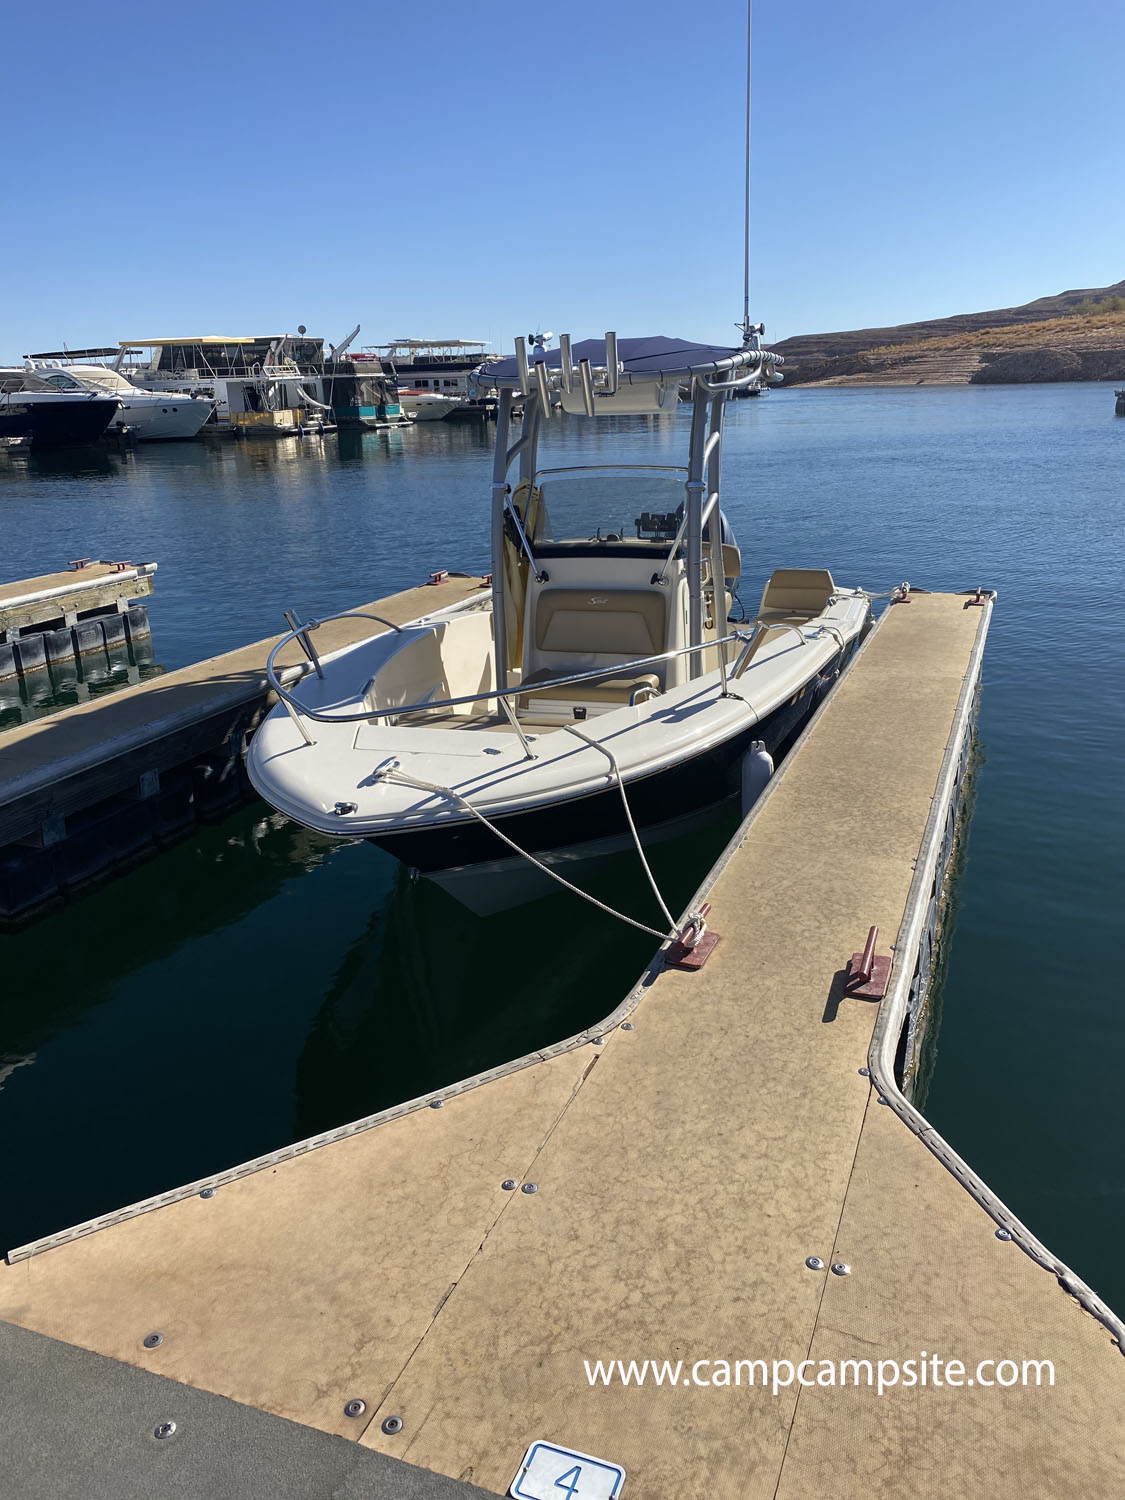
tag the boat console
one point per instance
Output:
(599, 686)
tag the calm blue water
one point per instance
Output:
(255, 985)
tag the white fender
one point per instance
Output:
(757, 768)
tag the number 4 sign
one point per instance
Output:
(552, 1473)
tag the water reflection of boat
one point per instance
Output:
(404, 1016)
(601, 682)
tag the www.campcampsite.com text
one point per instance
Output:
(932, 1371)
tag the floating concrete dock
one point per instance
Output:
(725, 1170)
(63, 615)
(98, 787)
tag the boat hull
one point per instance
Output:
(172, 420)
(428, 408)
(691, 785)
(503, 884)
(55, 423)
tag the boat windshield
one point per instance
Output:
(608, 504)
(83, 378)
(104, 379)
(57, 380)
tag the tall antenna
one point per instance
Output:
(746, 195)
(749, 330)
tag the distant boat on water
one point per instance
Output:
(440, 379)
(36, 413)
(156, 416)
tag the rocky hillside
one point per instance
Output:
(1078, 335)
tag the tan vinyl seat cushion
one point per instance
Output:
(604, 690)
(600, 622)
(795, 594)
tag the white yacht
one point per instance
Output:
(599, 688)
(157, 416)
(428, 406)
(439, 379)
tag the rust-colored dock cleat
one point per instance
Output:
(869, 973)
(695, 944)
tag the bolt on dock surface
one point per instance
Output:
(686, 1171)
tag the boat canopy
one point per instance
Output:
(75, 354)
(205, 338)
(434, 344)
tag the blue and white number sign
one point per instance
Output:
(549, 1472)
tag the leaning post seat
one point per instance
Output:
(794, 595)
(580, 629)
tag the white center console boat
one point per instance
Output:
(600, 682)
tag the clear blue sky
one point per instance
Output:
(450, 169)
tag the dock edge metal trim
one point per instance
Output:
(928, 880)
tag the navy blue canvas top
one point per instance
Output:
(644, 357)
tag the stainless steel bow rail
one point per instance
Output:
(300, 632)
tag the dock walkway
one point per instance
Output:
(91, 790)
(60, 616)
(685, 1165)
(64, 596)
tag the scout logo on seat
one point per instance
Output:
(598, 599)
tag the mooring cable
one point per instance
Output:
(609, 755)
(395, 773)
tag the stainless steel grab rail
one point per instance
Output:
(761, 630)
(520, 689)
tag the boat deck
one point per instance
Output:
(684, 1170)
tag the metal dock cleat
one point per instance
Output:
(869, 973)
